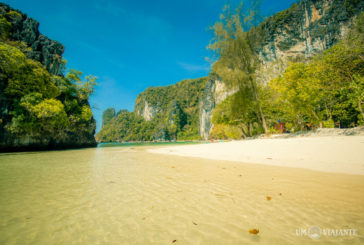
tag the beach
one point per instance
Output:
(127, 195)
(336, 153)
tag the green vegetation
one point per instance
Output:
(237, 64)
(222, 131)
(107, 115)
(42, 108)
(5, 27)
(41, 105)
(325, 91)
(126, 126)
(175, 110)
(329, 88)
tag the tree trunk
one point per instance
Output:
(317, 118)
(361, 109)
(328, 112)
(263, 119)
(264, 124)
(249, 129)
(243, 130)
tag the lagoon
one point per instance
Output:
(126, 195)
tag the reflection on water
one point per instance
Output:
(127, 196)
(131, 144)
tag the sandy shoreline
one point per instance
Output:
(338, 154)
(127, 195)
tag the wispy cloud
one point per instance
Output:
(193, 67)
(109, 7)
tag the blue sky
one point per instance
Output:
(131, 45)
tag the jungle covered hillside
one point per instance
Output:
(41, 105)
(161, 113)
(326, 90)
(316, 85)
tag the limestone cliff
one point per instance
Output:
(301, 31)
(25, 29)
(160, 114)
(214, 93)
(146, 110)
(295, 34)
(107, 115)
(31, 63)
(305, 29)
(174, 108)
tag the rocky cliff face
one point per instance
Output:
(20, 34)
(174, 109)
(160, 114)
(147, 111)
(107, 115)
(83, 138)
(301, 31)
(156, 100)
(295, 34)
(214, 93)
(25, 29)
(305, 29)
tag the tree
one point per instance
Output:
(357, 94)
(235, 49)
(38, 117)
(328, 89)
(38, 106)
(84, 88)
(5, 28)
(299, 94)
(107, 115)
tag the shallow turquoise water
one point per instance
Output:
(124, 195)
(113, 144)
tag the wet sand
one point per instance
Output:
(130, 196)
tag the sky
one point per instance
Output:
(132, 44)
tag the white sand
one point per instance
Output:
(340, 154)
